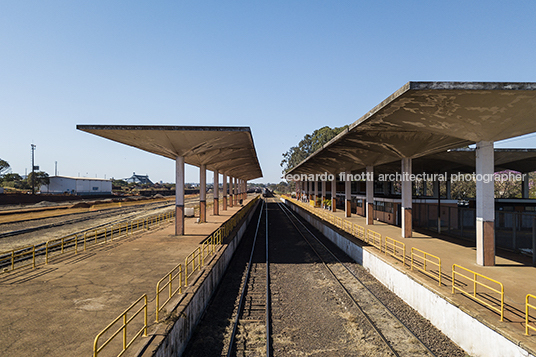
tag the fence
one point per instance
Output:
(123, 329)
(394, 248)
(476, 284)
(19, 257)
(423, 258)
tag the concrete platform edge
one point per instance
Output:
(472, 335)
(173, 341)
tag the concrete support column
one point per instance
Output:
(407, 199)
(216, 210)
(179, 196)
(315, 197)
(525, 185)
(448, 187)
(202, 193)
(224, 192)
(334, 194)
(347, 194)
(231, 191)
(235, 191)
(436, 189)
(369, 212)
(310, 191)
(485, 204)
(323, 184)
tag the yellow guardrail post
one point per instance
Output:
(529, 306)
(478, 283)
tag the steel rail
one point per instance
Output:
(244, 287)
(286, 209)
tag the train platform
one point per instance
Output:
(514, 271)
(58, 309)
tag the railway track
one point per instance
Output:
(253, 310)
(378, 315)
(306, 298)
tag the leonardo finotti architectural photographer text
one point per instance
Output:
(369, 176)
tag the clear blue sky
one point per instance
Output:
(284, 68)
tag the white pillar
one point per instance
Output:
(315, 184)
(485, 204)
(216, 195)
(224, 191)
(370, 195)
(323, 184)
(334, 193)
(202, 193)
(179, 196)
(347, 194)
(407, 199)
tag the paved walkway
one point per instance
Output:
(514, 271)
(59, 308)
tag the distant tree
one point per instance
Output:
(308, 145)
(38, 178)
(4, 167)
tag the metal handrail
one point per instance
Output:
(477, 283)
(175, 273)
(529, 306)
(394, 244)
(425, 257)
(374, 238)
(123, 328)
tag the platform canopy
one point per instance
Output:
(463, 161)
(424, 118)
(229, 150)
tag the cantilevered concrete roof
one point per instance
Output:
(463, 160)
(228, 149)
(424, 118)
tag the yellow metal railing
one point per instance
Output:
(167, 282)
(60, 244)
(358, 231)
(75, 242)
(528, 307)
(395, 248)
(375, 239)
(12, 256)
(473, 295)
(126, 343)
(347, 226)
(193, 259)
(426, 259)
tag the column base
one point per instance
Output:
(407, 228)
(370, 214)
(224, 203)
(202, 211)
(348, 209)
(333, 205)
(230, 200)
(216, 208)
(179, 220)
(485, 243)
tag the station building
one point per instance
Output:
(81, 186)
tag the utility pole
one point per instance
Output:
(33, 169)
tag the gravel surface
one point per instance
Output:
(311, 314)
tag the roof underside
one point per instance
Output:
(229, 150)
(424, 118)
